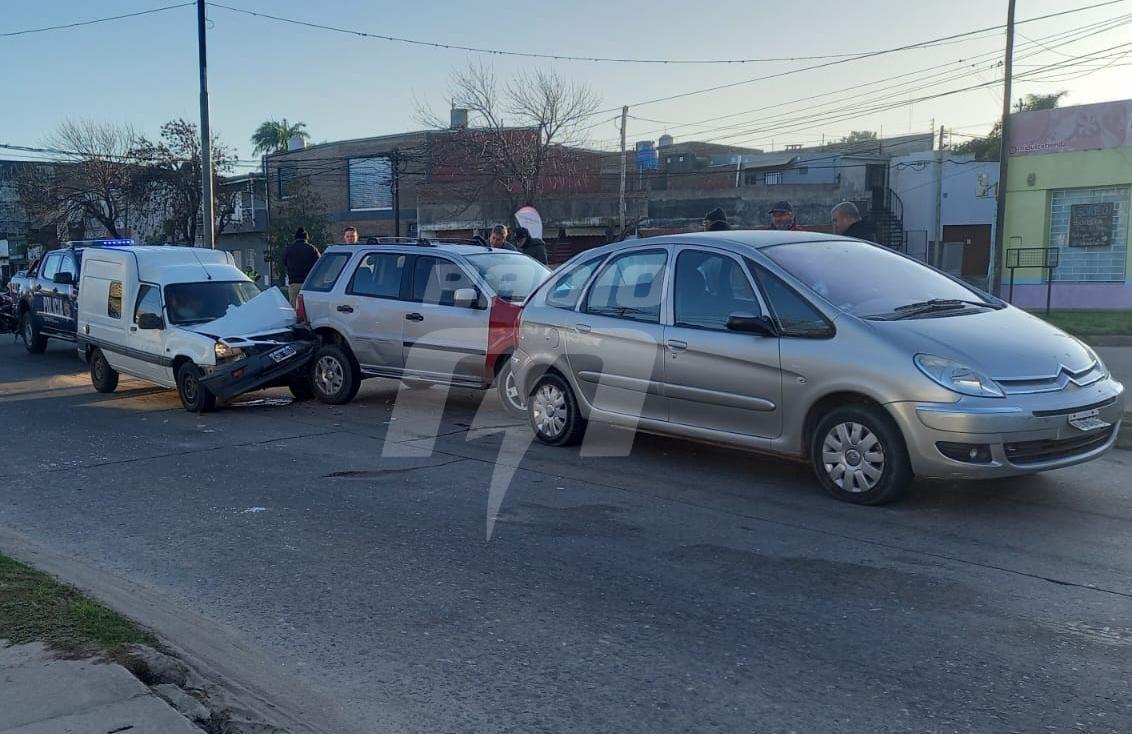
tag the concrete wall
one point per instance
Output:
(1033, 178)
(913, 179)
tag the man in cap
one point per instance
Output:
(716, 221)
(782, 217)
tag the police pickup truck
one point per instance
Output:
(45, 300)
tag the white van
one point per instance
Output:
(189, 319)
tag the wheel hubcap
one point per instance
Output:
(550, 411)
(853, 457)
(329, 376)
(189, 388)
(512, 392)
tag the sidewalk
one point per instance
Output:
(43, 695)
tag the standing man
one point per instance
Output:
(846, 219)
(532, 247)
(350, 235)
(298, 259)
(498, 238)
(782, 217)
(716, 221)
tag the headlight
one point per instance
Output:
(958, 377)
(223, 352)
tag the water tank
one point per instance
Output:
(296, 143)
(665, 141)
(646, 155)
(459, 118)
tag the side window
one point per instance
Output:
(630, 287)
(565, 291)
(50, 266)
(67, 265)
(114, 300)
(326, 271)
(149, 301)
(379, 275)
(795, 315)
(436, 281)
(709, 288)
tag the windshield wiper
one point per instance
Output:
(909, 310)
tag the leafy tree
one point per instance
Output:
(272, 136)
(859, 136)
(989, 146)
(302, 208)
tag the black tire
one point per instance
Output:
(859, 456)
(552, 391)
(102, 375)
(34, 341)
(301, 388)
(509, 397)
(195, 397)
(334, 375)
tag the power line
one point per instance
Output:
(92, 22)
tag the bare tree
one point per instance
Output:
(518, 130)
(94, 178)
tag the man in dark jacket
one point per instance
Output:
(716, 221)
(298, 259)
(846, 220)
(532, 247)
(782, 217)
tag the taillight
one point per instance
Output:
(300, 308)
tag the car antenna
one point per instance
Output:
(202, 267)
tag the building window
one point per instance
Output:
(774, 178)
(1089, 227)
(371, 184)
(751, 178)
(287, 176)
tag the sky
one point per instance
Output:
(143, 70)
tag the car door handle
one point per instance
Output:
(675, 345)
(583, 328)
(414, 317)
(346, 309)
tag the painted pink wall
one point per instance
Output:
(1072, 295)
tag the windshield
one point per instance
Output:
(866, 280)
(512, 277)
(197, 303)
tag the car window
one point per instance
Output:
(865, 279)
(149, 301)
(795, 316)
(379, 275)
(566, 290)
(511, 276)
(326, 271)
(436, 281)
(114, 300)
(630, 287)
(198, 303)
(50, 266)
(709, 288)
(67, 265)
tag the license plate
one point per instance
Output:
(283, 353)
(1087, 420)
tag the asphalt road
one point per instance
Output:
(676, 589)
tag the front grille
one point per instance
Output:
(1052, 383)
(1037, 452)
(1071, 411)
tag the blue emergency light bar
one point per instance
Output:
(100, 243)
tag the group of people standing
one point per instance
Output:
(845, 218)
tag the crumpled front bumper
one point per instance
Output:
(257, 371)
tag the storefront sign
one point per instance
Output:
(1090, 225)
(1100, 126)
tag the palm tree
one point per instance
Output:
(272, 136)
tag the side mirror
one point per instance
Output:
(63, 279)
(150, 321)
(466, 297)
(750, 324)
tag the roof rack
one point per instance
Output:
(424, 242)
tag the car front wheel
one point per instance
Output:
(859, 456)
(333, 376)
(553, 412)
(195, 397)
(34, 342)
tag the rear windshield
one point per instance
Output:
(863, 279)
(198, 303)
(511, 276)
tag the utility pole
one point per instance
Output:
(621, 208)
(1003, 159)
(397, 193)
(207, 204)
(939, 199)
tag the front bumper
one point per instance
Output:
(1024, 433)
(257, 371)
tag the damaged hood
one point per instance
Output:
(268, 312)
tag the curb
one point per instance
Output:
(1113, 340)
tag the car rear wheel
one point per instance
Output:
(508, 391)
(34, 341)
(553, 412)
(333, 375)
(195, 397)
(859, 456)
(102, 375)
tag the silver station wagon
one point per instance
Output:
(870, 365)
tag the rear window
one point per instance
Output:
(326, 271)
